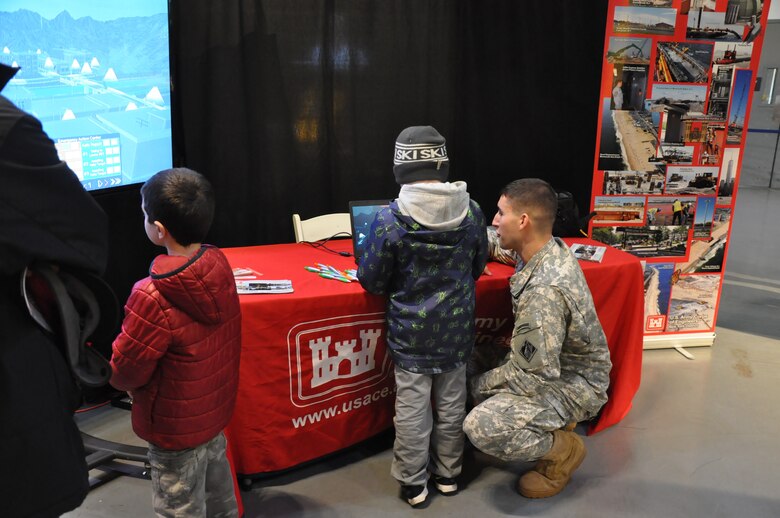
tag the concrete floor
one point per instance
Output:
(698, 441)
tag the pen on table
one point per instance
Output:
(344, 273)
(312, 269)
(334, 277)
(338, 272)
(329, 268)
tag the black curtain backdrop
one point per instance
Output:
(294, 105)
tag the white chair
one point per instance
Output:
(321, 227)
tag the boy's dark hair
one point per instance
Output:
(183, 201)
(536, 195)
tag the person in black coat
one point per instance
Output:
(45, 215)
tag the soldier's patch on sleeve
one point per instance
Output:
(528, 350)
(528, 342)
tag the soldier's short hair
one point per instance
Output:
(536, 196)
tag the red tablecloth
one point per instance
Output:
(617, 286)
(315, 375)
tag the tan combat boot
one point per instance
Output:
(553, 471)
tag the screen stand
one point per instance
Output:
(685, 353)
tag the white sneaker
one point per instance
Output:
(415, 495)
(446, 486)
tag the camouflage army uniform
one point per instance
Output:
(558, 368)
(180, 487)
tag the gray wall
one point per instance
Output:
(774, 10)
(761, 149)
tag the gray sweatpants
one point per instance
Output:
(196, 482)
(428, 432)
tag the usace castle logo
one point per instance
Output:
(336, 356)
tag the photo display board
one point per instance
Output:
(677, 83)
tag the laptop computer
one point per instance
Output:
(361, 216)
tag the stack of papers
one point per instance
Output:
(588, 252)
(244, 274)
(264, 287)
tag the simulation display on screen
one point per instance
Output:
(361, 215)
(96, 73)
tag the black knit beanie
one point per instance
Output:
(420, 154)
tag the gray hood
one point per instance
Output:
(437, 206)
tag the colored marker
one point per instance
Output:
(345, 274)
(335, 278)
(329, 268)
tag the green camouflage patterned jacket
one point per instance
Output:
(558, 349)
(428, 276)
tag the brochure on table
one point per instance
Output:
(677, 83)
(251, 282)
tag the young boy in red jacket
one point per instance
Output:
(178, 352)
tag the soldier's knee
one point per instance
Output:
(483, 434)
(474, 428)
(469, 426)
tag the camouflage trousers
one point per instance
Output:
(512, 427)
(428, 436)
(196, 482)
(505, 425)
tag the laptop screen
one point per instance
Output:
(361, 216)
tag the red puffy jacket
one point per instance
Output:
(179, 348)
